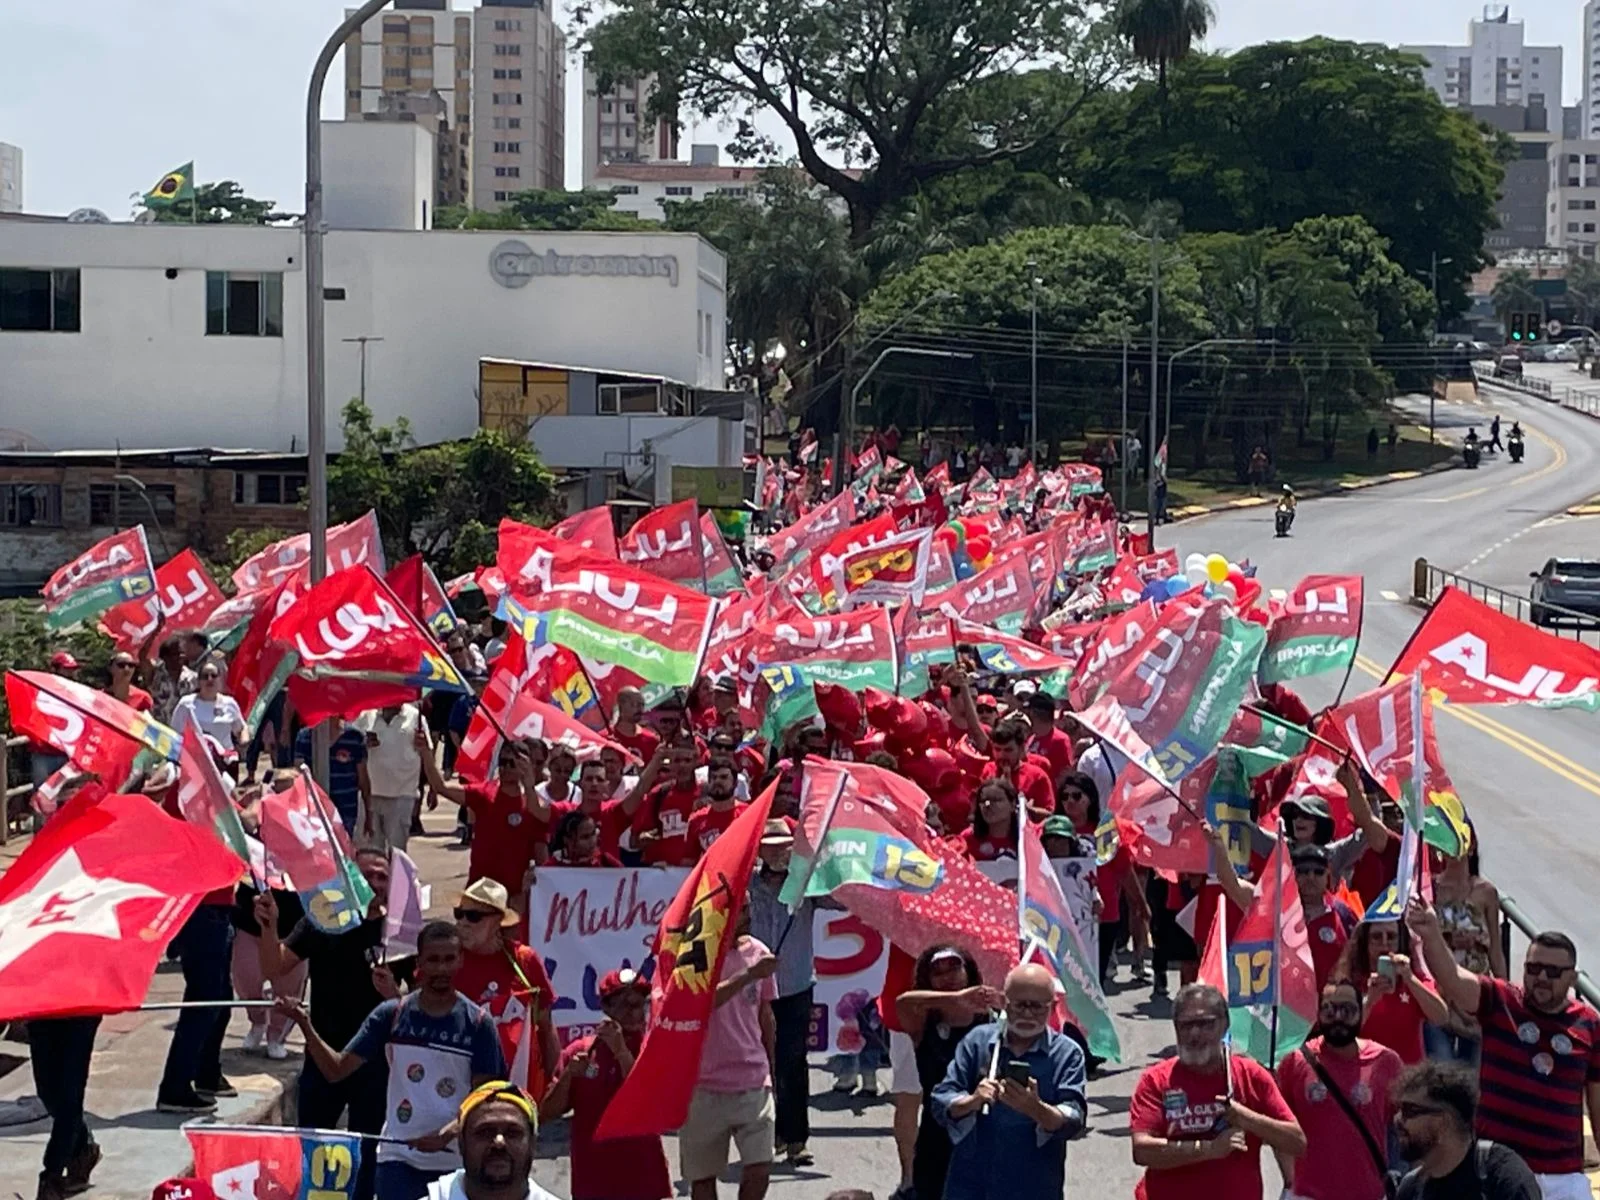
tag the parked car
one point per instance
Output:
(1572, 584)
(1508, 366)
(1567, 352)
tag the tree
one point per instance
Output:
(1162, 32)
(880, 82)
(1583, 287)
(443, 500)
(589, 211)
(222, 203)
(1513, 293)
(1282, 132)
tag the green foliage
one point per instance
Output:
(588, 211)
(26, 645)
(1163, 32)
(443, 500)
(1583, 289)
(1514, 292)
(1282, 132)
(1401, 305)
(241, 545)
(885, 83)
(222, 203)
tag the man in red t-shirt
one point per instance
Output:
(1338, 1165)
(1329, 921)
(1046, 740)
(1009, 762)
(594, 800)
(511, 825)
(627, 731)
(1188, 1135)
(661, 813)
(589, 1074)
(710, 822)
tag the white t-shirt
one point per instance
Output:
(393, 765)
(454, 1187)
(220, 719)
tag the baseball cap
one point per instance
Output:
(62, 661)
(491, 894)
(621, 981)
(1309, 853)
(183, 1189)
(1058, 826)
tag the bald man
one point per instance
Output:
(1009, 1131)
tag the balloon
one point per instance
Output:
(1249, 592)
(1176, 587)
(840, 709)
(979, 547)
(1227, 591)
(1194, 560)
(1216, 568)
(1156, 589)
(1195, 573)
(947, 537)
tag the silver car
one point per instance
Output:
(1572, 584)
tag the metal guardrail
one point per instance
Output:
(1427, 581)
(8, 793)
(1511, 916)
(1578, 399)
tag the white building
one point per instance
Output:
(616, 128)
(377, 175)
(162, 335)
(644, 188)
(10, 178)
(1590, 108)
(1573, 203)
(1495, 67)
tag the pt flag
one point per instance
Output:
(94, 729)
(693, 940)
(265, 1162)
(414, 582)
(113, 570)
(185, 595)
(1317, 630)
(591, 529)
(87, 911)
(305, 838)
(1467, 653)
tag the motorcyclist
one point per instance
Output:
(1472, 436)
(1516, 431)
(1286, 501)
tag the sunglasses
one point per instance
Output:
(1545, 970)
(1410, 1111)
(473, 915)
(1196, 1024)
(1030, 1006)
(122, 666)
(1310, 869)
(1340, 1010)
(1071, 794)
(209, 676)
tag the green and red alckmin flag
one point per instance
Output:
(1316, 630)
(852, 649)
(693, 940)
(112, 571)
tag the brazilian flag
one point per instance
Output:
(175, 186)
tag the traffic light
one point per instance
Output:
(1535, 327)
(1518, 325)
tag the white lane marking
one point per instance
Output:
(1390, 595)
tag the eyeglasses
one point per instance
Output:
(209, 677)
(122, 666)
(1410, 1111)
(1545, 970)
(1196, 1024)
(1340, 1010)
(473, 915)
(1311, 869)
(1029, 1006)
(1072, 794)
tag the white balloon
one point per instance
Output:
(1227, 590)
(1189, 563)
(1195, 573)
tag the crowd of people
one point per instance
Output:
(1431, 1072)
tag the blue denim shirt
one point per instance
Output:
(1005, 1155)
(770, 918)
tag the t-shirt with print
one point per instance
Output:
(735, 1058)
(1055, 747)
(1395, 1020)
(708, 823)
(1534, 1070)
(504, 834)
(626, 1168)
(432, 1063)
(499, 987)
(1178, 1103)
(641, 742)
(612, 823)
(666, 812)
(1328, 934)
(1337, 1164)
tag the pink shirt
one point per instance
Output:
(734, 1058)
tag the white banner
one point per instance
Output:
(851, 958)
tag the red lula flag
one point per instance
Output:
(1379, 728)
(259, 665)
(896, 569)
(510, 673)
(87, 911)
(185, 595)
(693, 940)
(562, 676)
(305, 838)
(98, 732)
(1006, 655)
(1467, 653)
(592, 529)
(1316, 630)
(853, 649)
(827, 558)
(816, 527)
(358, 647)
(110, 572)
(862, 839)
(1160, 824)
(1266, 964)
(666, 543)
(265, 1162)
(1125, 586)
(414, 582)
(531, 718)
(203, 797)
(606, 610)
(1001, 596)
(349, 545)
(1108, 646)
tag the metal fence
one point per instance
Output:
(1580, 399)
(1511, 916)
(13, 798)
(1428, 581)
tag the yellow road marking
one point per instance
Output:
(1404, 474)
(1555, 464)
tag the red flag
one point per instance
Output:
(273, 1163)
(349, 545)
(1467, 653)
(816, 527)
(110, 572)
(896, 569)
(1106, 648)
(185, 595)
(691, 943)
(257, 657)
(831, 554)
(1125, 586)
(1378, 727)
(307, 842)
(87, 911)
(1161, 830)
(203, 797)
(419, 589)
(1001, 596)
(853, 649)
(592, 529)
(666, 542)
(98, 732)
(507, 677)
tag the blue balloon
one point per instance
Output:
(1176, 586)
(1156, 589)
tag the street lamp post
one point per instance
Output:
(1207, 344)
(144, 494)
(1033, 358)
(316, 326)
(849, 421)
(1155, 342)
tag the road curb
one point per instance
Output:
(1190, 511)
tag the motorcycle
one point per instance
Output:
(1514, 447)
(1470, 455)
(1284, 519)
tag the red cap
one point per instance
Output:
(183, 1189)
(621, 981)
(62, 661)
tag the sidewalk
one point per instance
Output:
(1309, 492)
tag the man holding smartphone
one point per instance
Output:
(1010, 1109)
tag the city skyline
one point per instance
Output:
(158, 67)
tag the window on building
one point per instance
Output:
(244, 304)
(508, 172)
(395, 72)
(39, 301)
(30, 505)
(355, 93)
(513, 147)
(733, 191)
(625, 189)
(122, 503)
(513, 72)
(608, 107)
(267, 487)
(627, 133)
(499, 72)
(513, 122)
(1588, 226)
(614, 398)
(1588, 205)
(397, 25)
(500, 197)
(1572, 227)
(421, 51)
(628, 107)
(679, 189)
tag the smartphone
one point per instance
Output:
(1018, 1073)
(1386, 967)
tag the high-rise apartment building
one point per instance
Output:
(616, 128)
(1590, 47)
(414, 63)
(519, 85)
(1495, 67)
(10, 178)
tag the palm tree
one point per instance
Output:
(1513, 292)
(1163, 31)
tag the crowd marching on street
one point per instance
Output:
(955, 697)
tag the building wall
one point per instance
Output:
(1590, 45)
(144, 371)
(594, 442)
(519, 98)
(1573, 205)
(1521, 205)
(1495, 67)
(377, 175)
(615, 128)
(10, 178)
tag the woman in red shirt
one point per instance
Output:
(1395, 1004)
(123, 669)
(994, 822)
(578, 843)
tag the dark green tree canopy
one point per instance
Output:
(222, 203)
(587, 211)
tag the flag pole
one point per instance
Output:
(1277, 946)
(1265, 715)
(185, 1005)
(1227, 1035)
(811, 863)
(1361, 620)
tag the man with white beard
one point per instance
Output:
(1199, 1120)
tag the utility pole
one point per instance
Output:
(1155, 385)
(1033, 358)
(1122, 502)
(363, 342)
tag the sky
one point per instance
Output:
(106, 96)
